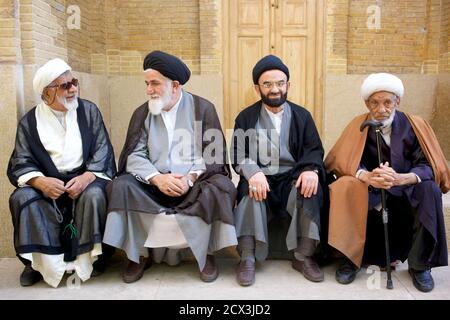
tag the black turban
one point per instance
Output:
(168, 65)
(269, 62)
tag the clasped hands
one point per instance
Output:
(54, 188)
(171, 184)
(385, 177)
(307, 184)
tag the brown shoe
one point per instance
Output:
(309, 269)
(134, 271)
(210, 271)
(246, 273)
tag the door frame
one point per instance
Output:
(319, 84)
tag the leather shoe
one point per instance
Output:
(29, 276)
(422, 279)
(346, 273)
(134, 271)
(99, 267)
(210, 271)
(309, 268)
(246, 273)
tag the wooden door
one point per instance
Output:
(290, 29)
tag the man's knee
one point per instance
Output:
(94, 193)
(22, 195)
(123, 181)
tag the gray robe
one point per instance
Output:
(204, 214)
(251, 216)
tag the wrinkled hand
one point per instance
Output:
(171, 184)
(77, 185)
(258, 186)
(50, 187)
(384, 177)
(308, 182)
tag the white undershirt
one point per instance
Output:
(276, 119)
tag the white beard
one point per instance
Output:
(388, 121)
(72, 105)
(156, 105)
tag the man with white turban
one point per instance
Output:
(60, 165)
(414, 173)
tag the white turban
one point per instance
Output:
(381, 82)
(49, 72)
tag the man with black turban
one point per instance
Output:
(277, 152)
(173, 196)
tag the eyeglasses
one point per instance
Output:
(66, 85)
(269, 85)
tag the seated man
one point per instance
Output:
(174, 191)
(414, 173)
(60, 165)
(278, 154)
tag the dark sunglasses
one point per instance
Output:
(66, 85)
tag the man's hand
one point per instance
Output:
(308, 182)
(258, 186)
(384, 177)
(50, 187)
(77, 185)
(171, 184)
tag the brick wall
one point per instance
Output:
(8, 31)
(210, 37)
(412, 37)
(336, 36)
(136, 27)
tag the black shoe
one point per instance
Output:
(346, 272)
(28, 277)
(99, 266)
(422, 279)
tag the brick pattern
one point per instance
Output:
(444, 41)
(136, 27)
(336, 36)
(8, 31)
(210, 37)
(413, 37)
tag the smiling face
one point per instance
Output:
(59, 98)
(162, 92)
(273, 88)
(381, 105)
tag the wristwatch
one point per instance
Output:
(190, 182)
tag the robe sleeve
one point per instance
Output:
(101, 160)
(244, 151)
(138, 162)
(22, 161)
(312, 153)
(420, 164)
